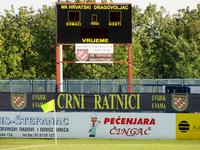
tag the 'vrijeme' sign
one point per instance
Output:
(114, 102)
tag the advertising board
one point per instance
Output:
(188, 126)
(94, 53)
(93, 125)
(102, 102)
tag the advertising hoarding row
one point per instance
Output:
(110, 102)
(100, 125)
(93, 125)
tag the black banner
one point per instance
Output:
(154, 102)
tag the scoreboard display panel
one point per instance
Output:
(93, 23)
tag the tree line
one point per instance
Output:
(164, 46)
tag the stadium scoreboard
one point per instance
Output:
(93, 23)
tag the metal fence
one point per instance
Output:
(100, 86)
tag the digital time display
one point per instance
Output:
(94, 33)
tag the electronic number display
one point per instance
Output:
(93, 23)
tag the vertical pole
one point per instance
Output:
(59, 78)
(59, 65)
(130, 68)
(55, 125)
(59, 69)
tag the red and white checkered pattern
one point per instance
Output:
(179, 102)
(18, 101)
(82, 54)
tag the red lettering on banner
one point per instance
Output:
(153, 121)
(140, 121)
(146, 120)
(118, 120)
(112, 121)
(123, 120)
(106, 120)
(130, 121)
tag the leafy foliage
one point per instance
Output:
(164, 46)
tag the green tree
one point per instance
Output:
(43, 29)
(2, 52)
(16, 44)
(163, 46)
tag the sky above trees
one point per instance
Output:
(170, 5)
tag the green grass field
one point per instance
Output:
(97, 144)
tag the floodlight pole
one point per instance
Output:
(130, 68)
(59, 65)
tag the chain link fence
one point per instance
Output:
(103, 86)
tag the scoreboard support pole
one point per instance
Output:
(59, 68)
(130, 68)
(59, 65)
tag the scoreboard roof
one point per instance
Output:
(93, 23)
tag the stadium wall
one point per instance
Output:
(137, 116)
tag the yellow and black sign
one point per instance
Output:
(93, 23)
(117, 102)
(188, 126)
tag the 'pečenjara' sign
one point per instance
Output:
(93, 23)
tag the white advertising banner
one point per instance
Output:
(95, 48)
(94, 53)
(33, 125)
(88, 125)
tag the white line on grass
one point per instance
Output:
(23, 147)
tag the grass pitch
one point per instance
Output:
(97, 144)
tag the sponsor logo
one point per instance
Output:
(143, 131)
(18, 101)
(130, 121)
(130, 126)
(94, 122)
(82, 54)
(180, 102)
(184, 126)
